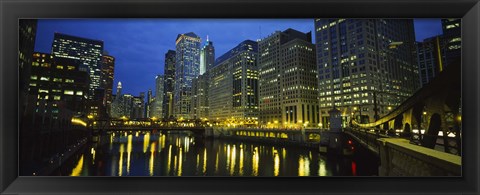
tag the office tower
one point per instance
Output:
(27, 29)
(88, 51)
(159, 95)
(108, 67)
(207, 56)
(117, 105)
(233, 81)
(200, 97)
(187, 65)
(452, 32)
(58, 87)
(287, 80)
(149, 104)
(366, 67)
(169, 81)
(431, 55)
(138, 106)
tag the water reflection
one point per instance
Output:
(162, 154)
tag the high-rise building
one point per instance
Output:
(200, 97)
(57, 83)
(108, 67)
(187, 67)
(436, 53)
(88, 51)
(207, 56)
(26, 43)
(232, 90)
(117, 106)
(431, 56)
(149, 104)
(159, 95)
(366, 67)
(169, 81)
(287, 79)
(452, 32)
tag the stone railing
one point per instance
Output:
(400, 158)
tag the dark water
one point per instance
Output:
(157, 154)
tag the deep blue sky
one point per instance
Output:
(139, 45)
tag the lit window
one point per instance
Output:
(79, 92)
(44, 78)
(68, 92)
(60, 67)
(57, 80)
(69, 81)
(56, 97)
(33, 77)
(71, 67)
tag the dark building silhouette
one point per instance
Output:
(108, 68)
(26, 43)
(169, 80)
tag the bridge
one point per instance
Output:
(144, 124)
(422, 136)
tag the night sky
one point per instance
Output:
(139, 45)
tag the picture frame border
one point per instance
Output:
(11, 11)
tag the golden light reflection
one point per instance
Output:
(303, 166)
(93, 152)
(228, 157)
(169, 158)
(120, 160)
(240, 172)
(129, 152)
(146, 141)
(179, 171)
(322, 170)
(232, 166)
(276, 161)
(111, 141)
(255, 162)
(152, 158)
(204, 161)
(216, 164)
(78, 168)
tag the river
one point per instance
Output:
(181, 154)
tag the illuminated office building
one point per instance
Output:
(207, 57)
(200, 97)
(57, 84)
(233, 81)
(169, 81)
(108, 67)
(87, 51)
(436, 53)
(366, 67)
(187, 67)
(287, 79)
(27, 29)
(452, 32)
(157, 110)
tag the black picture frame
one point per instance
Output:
(11, 11)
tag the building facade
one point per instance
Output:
(87, 51)
(287, 80)
(200, 97)
(157, 110)
(452, 32)
(366, 67)
(233, 84)
(169, 81)
(108, 68)
(26, 43)
(187, 67)
(207, 56)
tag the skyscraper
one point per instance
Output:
(431, 55)
(233, 84)
(287, 79)
(88, 51)
(452, 32)
(108, 67)
(169, 81)
(187, 67)
(200, 96)
(207, 56)
(27, 32)
(159, 95)
(366, 67)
